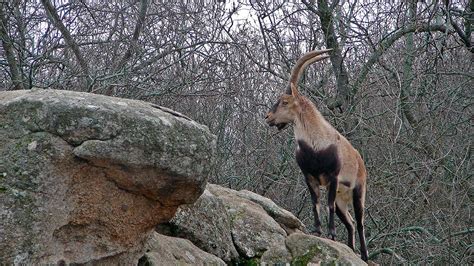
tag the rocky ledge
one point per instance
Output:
(225, 226)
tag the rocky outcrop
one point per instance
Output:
(85, 178)
(244, 227)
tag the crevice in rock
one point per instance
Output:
(71, 143)
(241, 253)
(169, 111)
(92, 139)
(103, 260)
(143, 261)
(167, 229)
(120, 187)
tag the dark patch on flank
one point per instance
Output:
(316, 163)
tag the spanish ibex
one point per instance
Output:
(325, 157)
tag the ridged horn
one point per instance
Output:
(302, 63)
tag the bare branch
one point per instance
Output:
(136, 34)
(133, 41)
(56, 20)
(464, 37)
(386, 44)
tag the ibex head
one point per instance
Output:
(284, 111)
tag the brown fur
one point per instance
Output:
(310, 127)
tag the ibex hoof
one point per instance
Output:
(316, 232)
(332, 233)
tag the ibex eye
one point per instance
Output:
(284, 103)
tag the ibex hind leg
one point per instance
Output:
(358, 199)
(342, 212)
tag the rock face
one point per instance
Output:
(85, 178)
(207, 224)
(244, 227)
(251, 230)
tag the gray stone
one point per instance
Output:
(166, 250)
(207, 225)
(85, 178)
(286, 219)
(277, 255)
(311, 249)
(253, 230)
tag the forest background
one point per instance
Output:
(398, 85)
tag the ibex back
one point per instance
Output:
(325, 157)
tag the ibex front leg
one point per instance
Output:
(313, 186)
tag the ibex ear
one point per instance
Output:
(294, 90)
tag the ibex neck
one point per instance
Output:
(311, 127)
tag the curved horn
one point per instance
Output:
(303, 62)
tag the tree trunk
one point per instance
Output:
(7, 43)
(133, 42)
(343, 97)
(407, 76)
